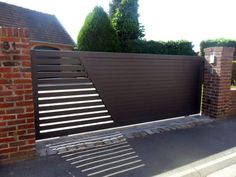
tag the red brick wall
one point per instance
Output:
(217, 81)
(17, 130)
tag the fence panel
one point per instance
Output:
(140, 88)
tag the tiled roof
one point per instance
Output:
(42, 27)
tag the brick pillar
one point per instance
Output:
(217, 81)
(17, 130)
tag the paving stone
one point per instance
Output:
(143, 133)
(62, 150)
(167, 128)
(137, 134)
(99, 143)
(71, 148)
(121, 139)
(156, 130)
(172, 128)
(161, 130)
(129, 135)
(89, 144)
(109, 141)
(150, 132)
(42, 152)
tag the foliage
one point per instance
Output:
(221, 42)
(113, 5)
(124, 16)
(97, 33)
(181, 47)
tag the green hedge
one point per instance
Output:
(181, 47)
(221, 42)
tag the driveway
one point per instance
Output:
(136, 157)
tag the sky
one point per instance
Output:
(193, 20)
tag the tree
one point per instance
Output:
(115, 4)
(97, 33)
(124, 16)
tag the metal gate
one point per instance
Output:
(83, 91)
(65, 99)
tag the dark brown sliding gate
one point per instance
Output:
(71, 97)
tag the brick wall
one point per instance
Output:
(17, 130)
(217, 81)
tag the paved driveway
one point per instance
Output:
(138, 157)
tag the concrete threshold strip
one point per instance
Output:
(205, 167)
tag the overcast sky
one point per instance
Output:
(193, 20)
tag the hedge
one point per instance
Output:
(180, 47)
(221, 42)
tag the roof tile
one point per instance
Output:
(42, 27)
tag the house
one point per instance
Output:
(45, 31)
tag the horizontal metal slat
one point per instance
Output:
(61, 74)
(74, 131)
(146, 74)
(144, 64)
(62, 100)
(150, 82)
(71, 112)
(63, 80)
(56, 61)
(68, 118)
(70, 106)
(53, 53)
(74, 93)
(134, 56)
(73, 124)
(52, 68)
(64, 87)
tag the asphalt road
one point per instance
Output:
(138, 157)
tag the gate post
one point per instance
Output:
(17, 129)
(217, 81)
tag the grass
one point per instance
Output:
(233, 87)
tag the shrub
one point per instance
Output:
(181, 47)
(221, 42)
(97, 33)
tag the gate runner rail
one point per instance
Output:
(65, 99)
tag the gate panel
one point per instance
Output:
(139, 88)
(83, 91)
(65, 99)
